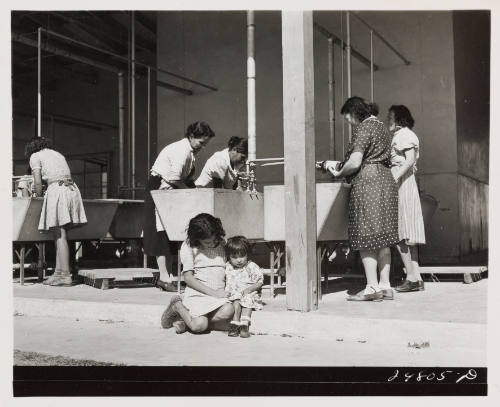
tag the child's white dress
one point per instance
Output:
(208, 267)
(238, 279)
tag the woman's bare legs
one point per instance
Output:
(405, 251)
(414, 262)
(384, 267)
(369, 259)
(63, 251)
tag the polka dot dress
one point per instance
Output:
(373, 203)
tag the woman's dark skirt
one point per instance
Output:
(155, 243)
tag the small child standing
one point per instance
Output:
(244, 279)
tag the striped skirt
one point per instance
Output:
(411, 222)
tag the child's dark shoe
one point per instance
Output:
(234, 330)
(244, 331)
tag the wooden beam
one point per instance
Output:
(111, 23)
(146, 22)
(299, 149)
(83, 22)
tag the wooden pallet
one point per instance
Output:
(471, 273)
(115, 278)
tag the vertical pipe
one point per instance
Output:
(371, 65)
(252, 147)
(342, 76)
(39, 83)
(132, 138)
(129, 127)
(331, 99)
(149, 121)
(348, 57)
(121, 125)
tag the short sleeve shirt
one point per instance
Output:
(175, 162)
(404, 139)
(52, 165)
(218, 166)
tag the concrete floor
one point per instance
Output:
(122, 326)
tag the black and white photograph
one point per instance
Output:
(248, 201)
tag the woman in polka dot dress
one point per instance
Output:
(373, 202)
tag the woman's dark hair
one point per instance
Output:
(238, 246)
(199, 130)
(36, 144)
(402, 116)
(359, 108)
(238, 144)
(204, 226)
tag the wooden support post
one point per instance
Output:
(21, 264)
(299, 149)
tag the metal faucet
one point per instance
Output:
(248, 178)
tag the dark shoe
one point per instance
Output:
(421, 285)
(244, 331)
(234, 330)
(170, 315)
(361, 296)
(180, 327)
(170, 287)
(388, 294)
(408, 286)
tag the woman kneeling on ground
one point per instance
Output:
(205, 304)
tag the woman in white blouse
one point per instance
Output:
(404, 156)
(173, 169)
(221, 169)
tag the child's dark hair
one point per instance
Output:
(36, 144)
(203, 226)
(238, 246)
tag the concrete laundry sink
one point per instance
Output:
(241, 213)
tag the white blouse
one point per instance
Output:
(218, 166)
(404, 139)
(175, 162)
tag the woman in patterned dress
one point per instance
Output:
(205, 302)
(62, 203)
(404, 156)
(172, 169)
(373, 201)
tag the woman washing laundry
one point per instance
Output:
(62, 203)
(221, 169)
(173, 169)
(373, 200)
